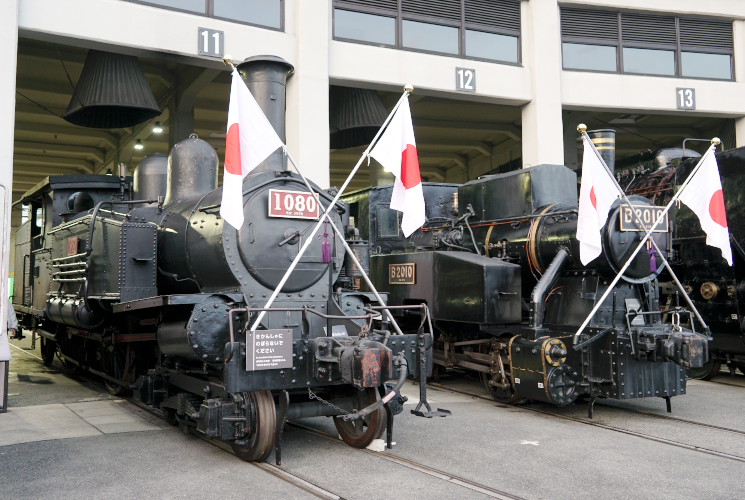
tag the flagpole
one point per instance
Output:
(583, 130)
(599, 303)
(408, 89)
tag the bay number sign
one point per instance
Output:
(465, 79)
(210, 42)
(686, 98)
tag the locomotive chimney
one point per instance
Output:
(266, 78)
(605, 142)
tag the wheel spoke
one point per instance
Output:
(361, 432)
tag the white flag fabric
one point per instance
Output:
(396, 151)
(250, 139)
(597, 193)
(703, 195)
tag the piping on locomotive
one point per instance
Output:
(497, 263)
(717, 290)
(149, 289)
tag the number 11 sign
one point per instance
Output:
(210, 42)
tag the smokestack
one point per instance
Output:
(266, 78)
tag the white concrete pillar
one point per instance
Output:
(9, 56)
(543, 135)
(738, 28)
(308, 89)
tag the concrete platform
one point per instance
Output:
(66, 437)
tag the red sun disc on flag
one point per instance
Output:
(716, 208)
(233, 150)
(593, 199)
(410, 175)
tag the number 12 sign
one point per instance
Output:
(465, 79)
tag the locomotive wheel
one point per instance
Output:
(48, 350)
(361, 432)
(493, 381)
(504, 395)
(259, 445)
(706, 372)
(113, 363)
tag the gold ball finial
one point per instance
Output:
(716, 141)
(581, 128)
(408, 88)
(227, 60)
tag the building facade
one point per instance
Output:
(499, 84)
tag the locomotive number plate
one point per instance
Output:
(293, 204)
(647, 215)
(402, 274)
(268, 349)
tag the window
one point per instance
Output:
(431, 37)
(364, 27)
(646, 44)
(261, 12)
(648, 61)
(589, 57)
(387, 222)
(264, 13)
(477, 29)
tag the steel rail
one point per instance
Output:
(641, 435)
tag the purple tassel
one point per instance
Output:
(325, 243)
(652, 260)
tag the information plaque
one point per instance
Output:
(268, 349)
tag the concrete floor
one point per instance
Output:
(65, 437)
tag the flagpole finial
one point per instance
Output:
(716, 141)
(581, 128)
(227, 60)
(408, 88)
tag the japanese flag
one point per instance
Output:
(396, 151)
(250, 139)
(703, 194)
(597, 193)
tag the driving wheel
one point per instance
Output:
(257, 446)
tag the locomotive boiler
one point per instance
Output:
(716, 289)
(497, 263)
(145, 286)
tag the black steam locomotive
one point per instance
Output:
(717, 290)
(148, 288)
(497, 263)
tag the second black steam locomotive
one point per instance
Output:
(497, 264)
(149, 289)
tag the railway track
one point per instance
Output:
(279, 473)
(419, 467)
(312, 488)
(641, 435)
(473, 487)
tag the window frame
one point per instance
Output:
(460, 24)
(677, 47)
(209, 11)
